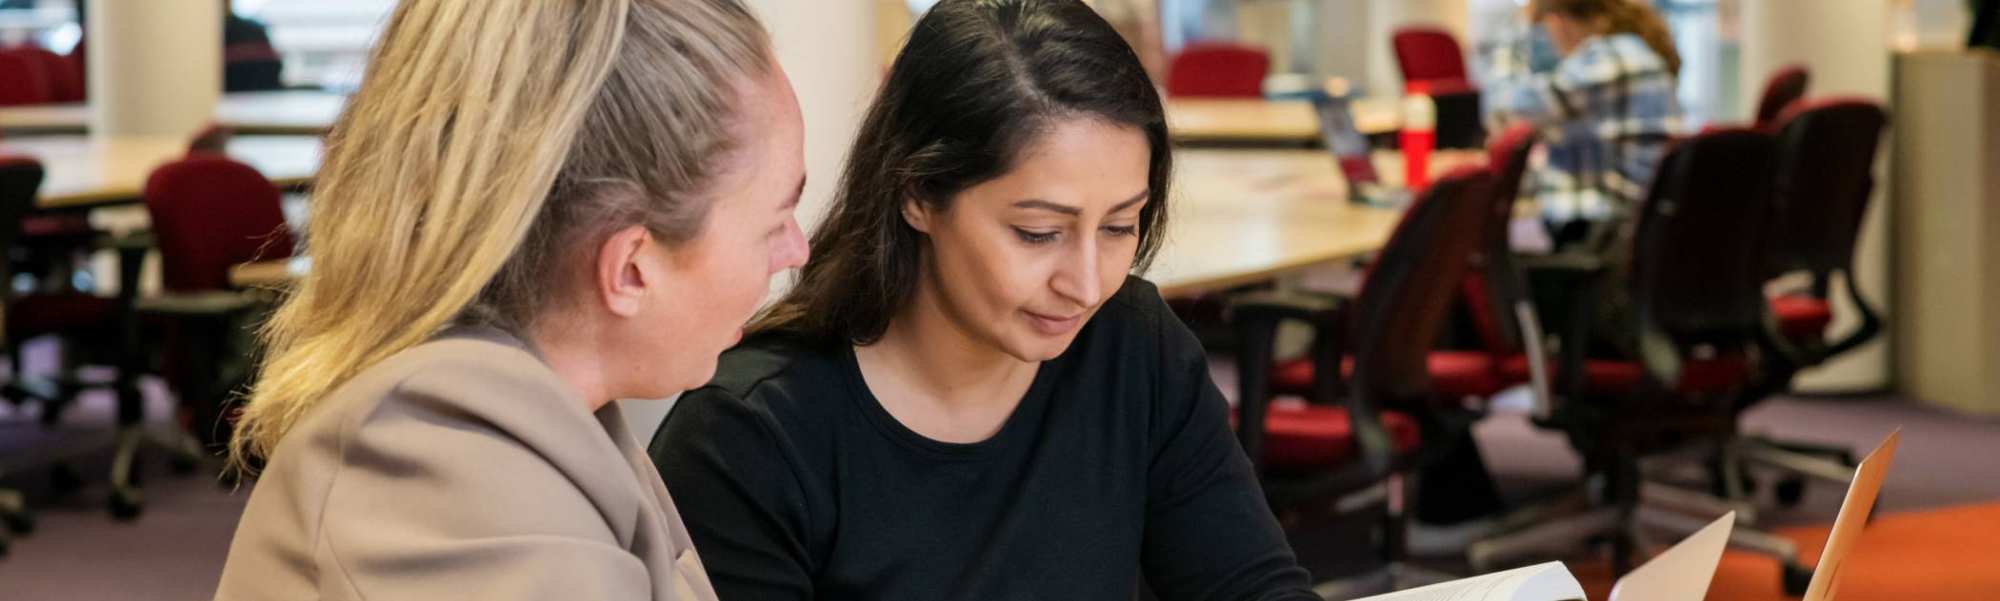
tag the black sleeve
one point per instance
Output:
(734, 481)
(1209, 533)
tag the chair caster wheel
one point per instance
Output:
(1797, 579)
(183, 466)
(20, 523)
(64, 480)
(126, 505)
(1790, 491)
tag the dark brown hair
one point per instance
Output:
(977, 82)
(1620, 16)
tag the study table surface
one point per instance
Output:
(83, 171)
(286, 112)
(1260, 121)
(1236, 217)
(1243, 216)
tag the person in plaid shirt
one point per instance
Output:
(1597, 78)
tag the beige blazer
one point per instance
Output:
(461, 468)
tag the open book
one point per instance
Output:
(1681, 573)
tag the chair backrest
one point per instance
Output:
(1429, 54)
(65, 82)
(1218, 70)
(1785, 87)
(1825, 174)
(1491, 291)
(20, 181)
(1695, 277)
(210, 213)
(22, 80)
(1409, 289)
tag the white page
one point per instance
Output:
(1541, 582)
(1853, 517)
(1680, 573)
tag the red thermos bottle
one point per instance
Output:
(1418, 136)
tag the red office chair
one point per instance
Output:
(1218, 70)
(65, 82)
(1698, 309)
(81, 321)
(22, 80)
(1461, 374)
(1824, 176)
(1826, 163)
(1431, 55)
(1502, 312)
(79, 64)
(1785, 87)
(1354, 434)
(209, 213)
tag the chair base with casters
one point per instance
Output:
(119, 334)
(1673, 391)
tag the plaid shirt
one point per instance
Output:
(1606, 113)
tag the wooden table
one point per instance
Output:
(290, 112)
(1259, 121)
(83, 171)
(269, 274)
(1238, 217)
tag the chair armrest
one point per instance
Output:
(1256, 316)
(1271, 305)
(1578, 274)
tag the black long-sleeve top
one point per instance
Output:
(1119, 463)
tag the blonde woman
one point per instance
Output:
(530, 208)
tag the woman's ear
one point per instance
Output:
(624, 270)
(917, 213)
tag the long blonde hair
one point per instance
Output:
(487, 137)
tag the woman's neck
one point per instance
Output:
(573, 360)
(937, 378)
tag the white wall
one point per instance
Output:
(1846, 45)
(827, 47)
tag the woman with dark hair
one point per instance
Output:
(966, 396)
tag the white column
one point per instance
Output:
(1343, 39)
(155, 65)
(1386, 16)
(1846, 45)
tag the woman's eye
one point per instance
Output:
(1035, 237)
(1121, 230)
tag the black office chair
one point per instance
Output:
(1695, 282)
(1355, 433)
(1824, 177)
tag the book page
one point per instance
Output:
(1853, 517)
(1680, 573)
(1541, 582)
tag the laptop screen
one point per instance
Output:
(1350, 149)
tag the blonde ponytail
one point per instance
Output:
(486, 135)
